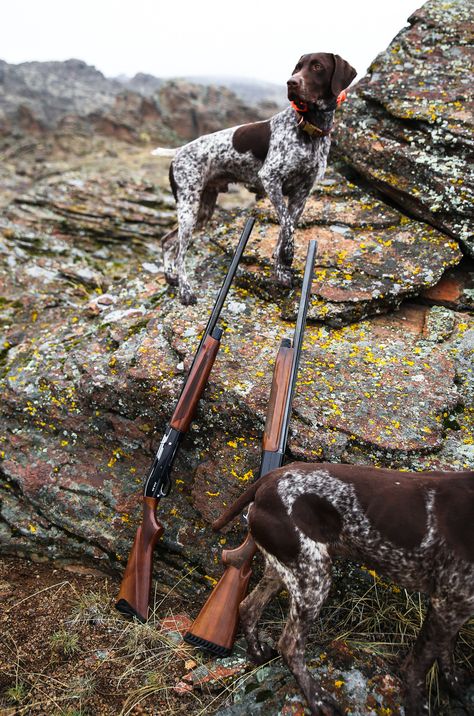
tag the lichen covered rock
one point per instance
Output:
(95, 347)
(407, 126)
(370, 256)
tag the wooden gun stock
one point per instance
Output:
(134, 595)
(215, 628)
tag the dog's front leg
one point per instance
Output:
(284, 247)
(251, 609)
(308, 584)
(296, 204)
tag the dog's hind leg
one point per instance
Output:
(308, 584)
(188, 213)
(207, 205)
(435, 641)
(251, 609)
(169, 246)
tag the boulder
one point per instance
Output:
(407, 127)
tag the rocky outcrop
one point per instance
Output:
(370, 256)
(94, 349)
(253, 92)
(52, 90)
(409, 122)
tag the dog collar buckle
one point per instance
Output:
(312, 129)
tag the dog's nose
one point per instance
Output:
(293, 83)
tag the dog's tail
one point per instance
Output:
(245, 499)
(164, 152)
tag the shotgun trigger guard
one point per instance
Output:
(164, 487)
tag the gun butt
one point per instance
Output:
(134, 596)
(215, 628)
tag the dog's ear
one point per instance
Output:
(343, 75)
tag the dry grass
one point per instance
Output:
(78, 657)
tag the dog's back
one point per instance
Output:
(417, 528)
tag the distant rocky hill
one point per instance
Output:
(252, 92)
(44, 97)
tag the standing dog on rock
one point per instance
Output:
(417, 529)
(281, 157)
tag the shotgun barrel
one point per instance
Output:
(216, 625)
(134, 596)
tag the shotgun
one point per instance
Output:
(134, 596)
(215, 628)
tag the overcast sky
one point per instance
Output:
(245, 38)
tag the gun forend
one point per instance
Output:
(278, 395)
(196, 382)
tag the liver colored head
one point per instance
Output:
(319, 76)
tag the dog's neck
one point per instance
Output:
(315, 121)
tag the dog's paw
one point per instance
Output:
(186, 296)
(263, 654)
(284, 276)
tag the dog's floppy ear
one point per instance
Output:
(343, 75)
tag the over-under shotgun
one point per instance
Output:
(215, 628)
(134, 596)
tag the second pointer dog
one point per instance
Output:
(281, 157)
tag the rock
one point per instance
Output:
(51, 90)
(370, 257)
(362, 686)
(407, 126)
(191, 110)
(455, 289)
(87, 393)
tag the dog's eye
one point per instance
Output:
(317, 67)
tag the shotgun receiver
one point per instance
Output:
(215, 628)
(134, 596)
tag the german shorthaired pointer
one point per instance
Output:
(280, 157)
(416, 528)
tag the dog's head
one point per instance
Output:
(319, 78)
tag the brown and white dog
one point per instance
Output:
(280, 157)
(417, 529)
